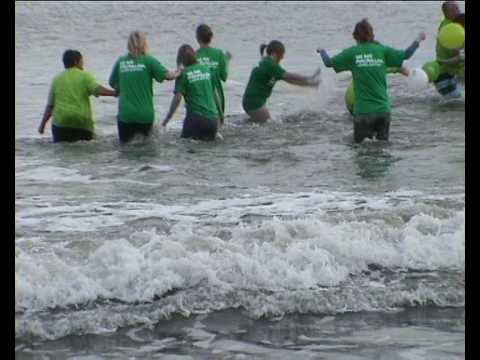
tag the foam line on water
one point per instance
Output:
(275, 255)
(89, 217)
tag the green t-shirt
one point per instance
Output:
(195, 84)
(133, 77)
(444, 54)
(368, 63)
(216, 61)
(69, 95)
(261, 82)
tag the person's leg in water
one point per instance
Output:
(199, 128)
(382, 126)
(261, 115)
(362, 128)
(61, 134)
(126, 131)
(446, 85)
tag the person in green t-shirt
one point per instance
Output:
(263, 78)
(446, 83)
(197, 88)
(368, 61)
(132, 76)
(216, 60)
(69, 101)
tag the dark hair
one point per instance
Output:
(460, 19)
(204, 33)
(71, 58)
(275, 47)
(186, 55)
(363, 31)
(446, 5)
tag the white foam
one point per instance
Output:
(51, 174)
(88, 217)
(275, 255)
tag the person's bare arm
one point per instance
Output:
(300, 80)
(46, 115)
(173, 74)
(103, 91)
(173, 107)
(450, 61)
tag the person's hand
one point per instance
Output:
(319, 50)
(228, 55)
(164, 123)
(404, 71)
(421, 36)
(176, 73)
(41, 129)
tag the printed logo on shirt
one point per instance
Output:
(197, 75)
(367, 60)
(130, 65)
(272, 81)
(208, 62)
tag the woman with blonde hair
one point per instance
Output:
(132, 76)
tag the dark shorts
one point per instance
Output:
(199, 128)
(61, 134)
(252, 104)
(446, 84)
(127, 131)
(369, 125)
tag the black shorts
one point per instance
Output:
(127, 131)
(199, 128)
(369, 125)
(61, 134)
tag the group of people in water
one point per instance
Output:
(199, 76)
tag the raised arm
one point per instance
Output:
(414, 46)
(327, 61)
(173, 107)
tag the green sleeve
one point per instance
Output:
(278, 71)
(343, 61)
(180, 85)
(51, 95)
(113, 81)
(159, 72)
(223, 65)
(92, 84)
(393, 57)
